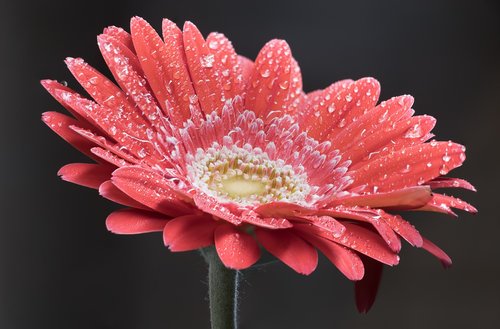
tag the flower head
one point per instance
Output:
(209, 148)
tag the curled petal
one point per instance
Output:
(134, 221)
(290, 249)
(367, 288)
(437, 252)
(444, 203)
(109, 191)
(449, 182)
(236, 249)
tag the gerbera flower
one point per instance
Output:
(211, 148)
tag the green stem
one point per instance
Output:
(223, 292)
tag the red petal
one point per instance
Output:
(406, 198)
(339, 111)
(344, 259)
(182, 87)
(133, 221)
(226, 65)
(52, 86)
(449, 182)
(410, 166)
(189, 232)
(367, 288)
(86, 174)
(201, 67)
(444, 203)
(246, 66)
(253, 218)
(150, 189)
(236, 249)
(361, 240)
(437, 252)
(268, 93)
(212, 206)
(109, 157)
(109, 191)
(290, 249)
(369, 216)
(120, 35)
(163, 74)
(60, 124)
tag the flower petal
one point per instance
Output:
(332, 115)
(189, 232)
(437, 252)
(134, 221)
(86, 174)
(367, 288)
(150, 189)
(60, 124)
(409, 167)
(253, 218)
(444, 203)
(406, 198)
(120, 35)
(212, 206)
(290, 249)
(109, 191)
(164, 69)
(359, 239)
(450, 182)
(236, 249)
(346, 261)
(268, 94)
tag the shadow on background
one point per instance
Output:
(62, 269)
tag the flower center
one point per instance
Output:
(246, 175)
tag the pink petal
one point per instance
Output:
(449, 182)
(268, 94)
(163, 74)
(367, 288)
(246, 66)
(444, 203)
(253, 218)
(359, 239)
(212, 206)
(189, 232)
(283, 210)
(182, 87)
(200, 61)
(409, 166)
(86, 174)
(109, 157)
(347, 261)
(339, 111)
(52, 86)
(109, 191)
(236, 249)
(406, 198)
(437, 252)
(60, 124)
(133, 221)
(120, 35)
(369, 216)
(390, 138)
(151, 189)
(226, 66)
(290, 249)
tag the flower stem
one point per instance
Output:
(223, 292)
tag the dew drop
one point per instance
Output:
(348, 98)
(213, 44)
(265, 73)
(446, 158)
(207, 61)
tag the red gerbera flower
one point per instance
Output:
(212, 148)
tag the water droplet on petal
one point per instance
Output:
(265, 73)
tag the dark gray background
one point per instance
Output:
(60, 268)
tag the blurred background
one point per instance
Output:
(60, 268)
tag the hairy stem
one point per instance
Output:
(223, 292)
